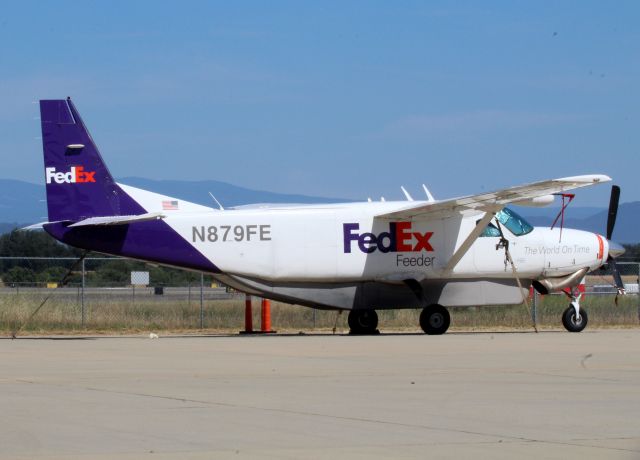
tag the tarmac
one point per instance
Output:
(460, 395)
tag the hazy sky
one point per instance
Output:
(339, 99)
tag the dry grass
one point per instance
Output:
(105, 314)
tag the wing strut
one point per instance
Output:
(473, 236)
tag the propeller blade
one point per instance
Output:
(616, 275)
(613, 209)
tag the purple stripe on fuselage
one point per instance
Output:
(153, 241)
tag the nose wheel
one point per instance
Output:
(574, 319)
(435, 319)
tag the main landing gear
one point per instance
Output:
(574, 319)
(363, 322)
(434, 320)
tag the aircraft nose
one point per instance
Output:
(615, 249)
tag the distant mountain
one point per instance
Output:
(8, 227)
(24, 202)
(627, 229)
(226, 194)
(551, 212)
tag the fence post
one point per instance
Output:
(201, 300)
(82, 295)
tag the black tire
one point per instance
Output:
(435, 319)
(363, 321)
(569, 320)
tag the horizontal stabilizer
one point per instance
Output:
(118, 220)
(38, 226)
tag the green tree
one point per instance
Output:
(55, 274)
(105, 271)
(19, 275)
(20, 243)
(632, 253)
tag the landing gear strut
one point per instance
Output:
(435, 319)
(363, 322)
(574, 319)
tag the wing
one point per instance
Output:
(493, 201)
(490, 203)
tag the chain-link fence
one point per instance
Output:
(103, 294)
(100, 296)
(600, 298)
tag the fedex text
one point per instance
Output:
(399, 238)
(77, 175)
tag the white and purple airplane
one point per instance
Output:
(359, 257)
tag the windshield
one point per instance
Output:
(510, 219)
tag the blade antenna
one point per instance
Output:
(430, 198)
(404, 190)
(217, 202)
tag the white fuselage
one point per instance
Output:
(345, 242)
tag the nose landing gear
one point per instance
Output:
(574, 319)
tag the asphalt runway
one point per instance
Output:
(480, 395)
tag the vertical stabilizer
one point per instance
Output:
(79, 184)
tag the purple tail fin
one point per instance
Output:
(78, 183)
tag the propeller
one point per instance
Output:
(613, 210)
(615, 249)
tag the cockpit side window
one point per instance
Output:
(511, 220)
(490, 230)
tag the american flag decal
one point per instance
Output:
(169, 205)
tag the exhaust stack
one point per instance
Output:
(547, 285)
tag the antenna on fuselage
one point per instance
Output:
(217, 202)
(404, 190)
(428, 193)
(382, 198)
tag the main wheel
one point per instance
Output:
(570, 322)
(363, 321)
(435, 319)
